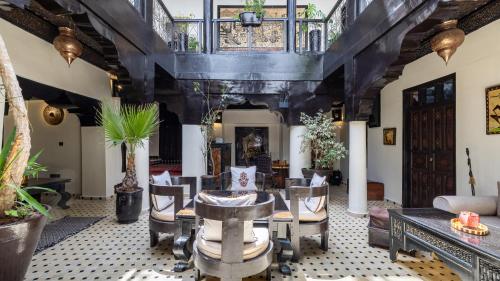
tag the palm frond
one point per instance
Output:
(110, 118)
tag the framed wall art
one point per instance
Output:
(493, 110)
(389, 136)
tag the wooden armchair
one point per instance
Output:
(306, 222)
(162, 220)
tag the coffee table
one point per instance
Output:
(281, 223)
(472, 257)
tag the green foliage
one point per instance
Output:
(26, 204)
(321, 138)
(256, 6)
(311, 12)
(129, 124)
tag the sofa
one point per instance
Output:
(488, 207)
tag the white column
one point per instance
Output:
(193, 162)
(298, 160)
(142, 171)
(357, 169)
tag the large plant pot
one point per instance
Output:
(250, 19)
(128, 205)
(308, 173)
(183, 44)
(18, 242)
(315, 40)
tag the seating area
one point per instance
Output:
(294, 140)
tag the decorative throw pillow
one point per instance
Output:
(212, 230)
(243, 178)
(315, 204)
(160, 203)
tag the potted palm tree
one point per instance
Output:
(253, 13)
(22, 218)
(129, 124)
(320, 138)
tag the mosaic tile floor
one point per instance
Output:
(110, 251)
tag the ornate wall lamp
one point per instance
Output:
(67, 45)
(449, 38)
(53, 115)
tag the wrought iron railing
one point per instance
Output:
(230, 36)
(162, 21)
(188, 36)
(336, 22)
(139, 5)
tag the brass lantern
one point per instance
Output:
(67, 45)
(53, 115)
(446, 42)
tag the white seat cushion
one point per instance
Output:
(315, 204)
(162, 202)
(162, 179)
(306, 215)
(250, 250)
(214, 227)
(243, 178)
(165, 214)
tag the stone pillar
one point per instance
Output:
(357, 169)
(142, 171)
(193, 162)
(298, 160)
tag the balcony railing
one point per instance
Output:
(231, 36)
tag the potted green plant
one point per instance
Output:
(186, 42)
(313, 13)
(253, 13)
(22, 217)
(320, 138)
(129, 124)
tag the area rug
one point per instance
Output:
(59, 230)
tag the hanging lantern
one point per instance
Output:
(67, 45)
(446, 42)
(53, 115)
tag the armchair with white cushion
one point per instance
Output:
(308, 204)
(488, 207)
(167, 194)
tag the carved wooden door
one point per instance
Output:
(430, 142)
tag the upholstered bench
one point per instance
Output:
(378, 228)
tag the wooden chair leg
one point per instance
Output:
(324, 241)
(153, 238)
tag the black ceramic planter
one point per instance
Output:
(250, 19)
(128, 205)
(315, 40)
(17, 244)
(183, 44)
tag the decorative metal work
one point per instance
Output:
(441, 244)
(397, 228)
(488, 271)
(337, 22)
(162, 23)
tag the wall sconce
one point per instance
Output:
(67, 45)
(53, 115)
(446, 42)
(218, 119)
(337, 115)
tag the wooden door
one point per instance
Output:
(429, 134)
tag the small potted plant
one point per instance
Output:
(313, 13)
(253, 13)
(321, 139)
(129, 124)
(22, 218)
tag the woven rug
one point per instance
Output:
(59, 230)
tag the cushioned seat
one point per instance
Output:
(306, 215)
(164, 215)
(482, 205)
(250, 250)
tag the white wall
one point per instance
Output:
(255, 118)
(195, 7)
(66, 159)
(476, 64)
(37, 60)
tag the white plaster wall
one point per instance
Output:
(94, 159)
(254, 118)
(142, 171)
(193, 162)
(66, 159)
(36, 59)
(195, 7)
(476, 66)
